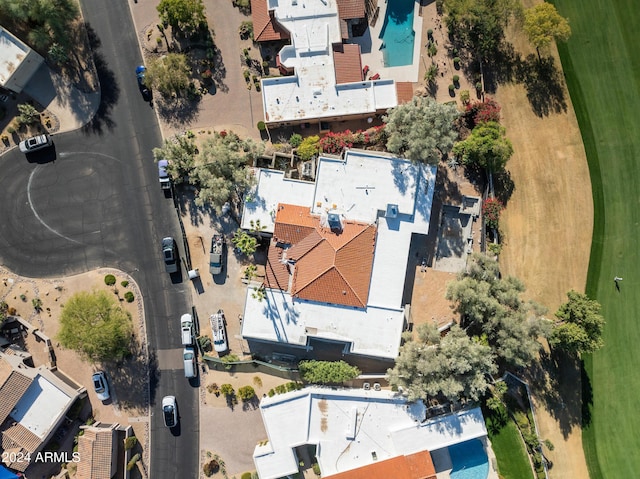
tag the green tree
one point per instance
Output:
(227, 390)
(580, 325)
(244, 242)
(455, 366)
(478, 25)
(492, 307)
(169, 75)
(543, 24)
(184, 16)
(327, 372)
(486, 147)
(47, 22)
(27, 114)
(180, 151)
(95, 326)
(421, 130)
(220, 172)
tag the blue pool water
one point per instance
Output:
(469, 460)
(397, 33)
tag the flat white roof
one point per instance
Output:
(40, 406)
(12, 52)
(349, 425)
(272, 188)
(312, 91)
(280, 318)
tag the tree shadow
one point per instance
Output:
(178, 111)
(553, 380)
(109, 90)
(503, 186)
(251, 404)
(545, 88)
(137, 375)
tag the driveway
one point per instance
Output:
(232, 107)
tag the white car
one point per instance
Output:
(100, 385)
(186, 329)
(170, 411)
(35, 143)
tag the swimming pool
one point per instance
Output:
(469, 460)
(397, 33)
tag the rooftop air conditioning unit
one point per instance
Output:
(334, 222)
(392, 211)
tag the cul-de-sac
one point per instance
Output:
(304, 239)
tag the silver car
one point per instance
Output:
(101, 386)
(170, 411)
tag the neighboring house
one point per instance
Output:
(18, 62)
(338, 258)
(361, 434)
(327, 81)
(98, 452)
(33, 403)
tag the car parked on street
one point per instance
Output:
(216, 254)
(169, 411)
(186, 329)
(35, 143)
(100, 385)
(170, 254)
(189, 360)
(144, 89)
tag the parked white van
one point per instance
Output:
(189, 360)
(186, 329)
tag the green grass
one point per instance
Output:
(508, 447)
(602, 66)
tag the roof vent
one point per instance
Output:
(392, 211)
(334, 222)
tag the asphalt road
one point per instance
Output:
(94, 200)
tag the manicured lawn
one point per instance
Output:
(513, 462)
(602, 66)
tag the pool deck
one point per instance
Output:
(371, 53)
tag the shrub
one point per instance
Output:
(205, 343)
(213, 388)
(132, 463)
(128, 296)
(11, 130)
(257, 381)
(130, 442)
(327, 372)
(456, 78)
(295, 140)
(456, 60)
(271, 393)
(261, 126)
(124, 283)
(210, 468)
(227, 390)
(109, 280)
(309, 147)
(37, 304)
(246, 475)
(491, 209)
(316, 468)
(246, 30)
(465, 97)
(452, 88)
(28, 114)
(246, 393)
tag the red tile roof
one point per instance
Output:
(265, 26)
(415, 466)
(348, 9)
(327, 267)
(11, 391)
(347, 63)
(95, 447)
(21, 436)
(404, 90)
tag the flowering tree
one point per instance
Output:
(482, 111)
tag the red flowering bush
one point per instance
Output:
(482, 112)
(491, 209)
(334, 143)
